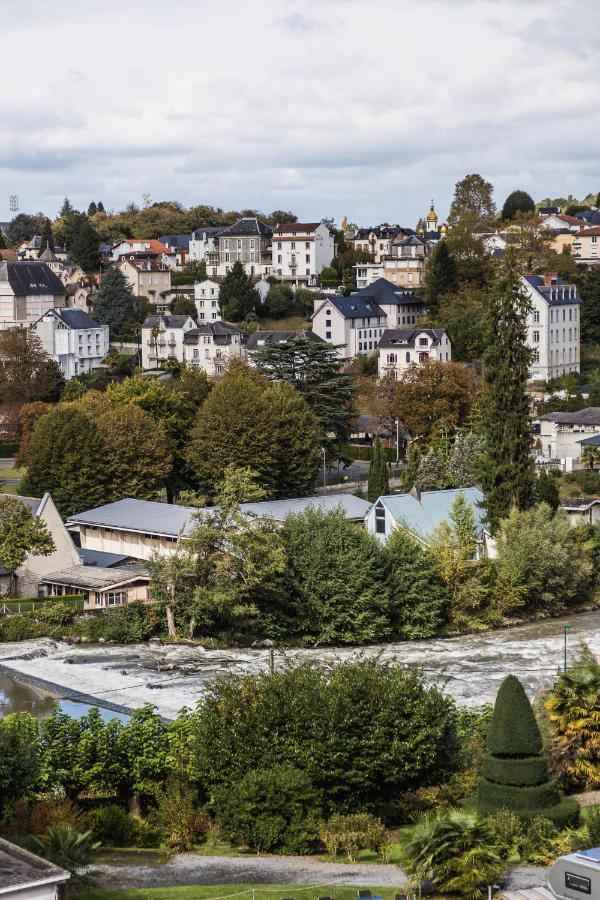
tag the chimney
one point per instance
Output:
(550, 278)
(415, 491)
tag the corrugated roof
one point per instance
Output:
(20, 869)
(423, 516)
(169, 520)
(96, 577)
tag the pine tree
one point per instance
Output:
(86, 248)
(546, 490)
(418, 594)
(47, 237)
(515, 771)
(100, 207)
(92, 209)
(66, 209)
(113, 303)
(441, 277)
(238, 297)
(508, 471)
(378, 483)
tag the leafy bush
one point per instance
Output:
(177, 815)
(56, 613)
(273, 809)
(507, 831)
(351, 834)
(365, 732)
(592, 827)
(145, 833)
(112, 825)
(126, 625)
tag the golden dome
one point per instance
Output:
(432, 215)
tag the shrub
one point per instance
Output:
(273, 809)
(129, 624)
(177, 815)
(592, 827)
(507, 831)
(351, 834)
(56, 613)
(112, 825)
(145, 834)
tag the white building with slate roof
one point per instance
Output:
(553, 327)
(74, 340)
(400, 348)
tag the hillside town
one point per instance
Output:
(300, 451)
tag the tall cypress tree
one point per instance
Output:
(378, 483)
(86, 247)
(441, 276)
(47, 237)
(238, 297)
(508, 471)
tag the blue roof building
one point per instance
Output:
(421, 512)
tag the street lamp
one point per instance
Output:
(397, 441)
(324, 452)
(566, 627)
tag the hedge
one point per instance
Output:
(529, 798)
(28, 604)
(527, 771)
(364, 451)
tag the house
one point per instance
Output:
(162, 339)
(30, 248)
(204, 246)
(102, 587)
(377, 240)
(140, 528)
(355, 324)
(147, 277)
(558, 222)
(144, 246)
(211, 346)
(27, 291)
(260, 338)
(400, 348)
(367, 273)
(421, 512)
(561, 433)
(247, 241)
(405, 264)
(206, 298)
(24, 876)
(73, 339)
(552, 325)
(585, 245)
(582, 511)
(179, 245)
(300, 251)
(69, 273)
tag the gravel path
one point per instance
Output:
(187, 869)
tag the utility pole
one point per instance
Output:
(324, 452)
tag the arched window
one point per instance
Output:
(407, 356)
(392, 358)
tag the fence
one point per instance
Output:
(14, 606)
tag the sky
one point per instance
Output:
(363, 108)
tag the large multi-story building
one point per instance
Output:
(28, 289)
(147, 276)
(247, 241)
(300, 251)
(206, 298)
(212, 346)
(586, 245)
(405, 264)
(553, 328)
(162, 339)
(356, 323)
(204, 247)
(76, 341)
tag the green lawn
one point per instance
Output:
(10, 472)
(288, 323)
(242, 892)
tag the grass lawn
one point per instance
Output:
(241, 891)
(10, 472)
(289, 323)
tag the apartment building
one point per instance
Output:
(553, 326)
(300, 252)
(247, 241)
(400, 348)
(147, 277)
(28, 289)
(211, 347)
(74, 340)
(162, 339)
(206, 298)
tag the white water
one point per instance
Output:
(470, 668)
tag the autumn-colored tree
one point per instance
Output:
(435, 395)
(473, 200)
(28, 416)
(27, 374)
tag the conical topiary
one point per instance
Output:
(515, 773)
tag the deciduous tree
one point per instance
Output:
(418, 594)
(21, 535)
(473, 200)
(137, 454)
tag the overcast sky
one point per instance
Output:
(327, 107)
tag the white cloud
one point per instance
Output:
(364, 107)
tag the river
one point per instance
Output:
(470, 668)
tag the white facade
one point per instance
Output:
(162, 339)
(401, 348)
(27, 291)
(211, 348)
(553, 327)
(203, 242)
(586, 245)
(300, 251)
(367, 273)
(73, 339)
(561, 432)
(206, 298)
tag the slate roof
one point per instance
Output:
(592, 216)
(175, 241)
(208, 230)
(77, 318)
(280, 337)
(220, 331)
(592, 441)
(355, 306)
(387, 293)
(423, 516)
(405, 337)
(588, 416)
(100, 558)
(31, 278)
(20, 869)
(549, 293)
(96, 577)
(48, 255)
(382, 232)
(247, 227)
(413, 240)
(168, 321)
(168, 520)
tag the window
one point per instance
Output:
(252, 244)
(407, 356)
(564, 314)
(239, 246)
(536, 337)
(279, 258)
(379, 520)
(307, 258)
(307, 245)
(116, 599)
(536, 356)
(196, 353)
(293, 245)
(423, 342)
(227, 245)
(227, 257)
(206, 353)
(391, 358)
(279, 245)
(536, 315)
(328, 335)
(252, 256)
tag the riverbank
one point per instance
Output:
(170, 676)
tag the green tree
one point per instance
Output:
(137, 454)
(183, 306)
(86, 248)
(20, 759)
(541, 565)
(378, 481)
(331, 723)
(92, 209)
(238, 297)
(441, 277)
(546, 490)
(21, 535)
(508, 473)
(279, 302)
(463, 315)
(23, 227)
(113, 302)
(248, 420)
(47, 237)
(315, 370)
(329, 277)
(515, 771)
(517, 202)
(335, 579)
(590, 305)
(473, 201)
(418, 594)
(66, 457)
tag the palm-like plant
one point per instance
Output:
(68, 848)
(453, 849)
(574, 707)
